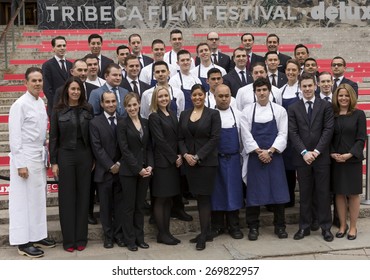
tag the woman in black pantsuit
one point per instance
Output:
(135, 171)
(71, 161)
(347, 155)
(163, 126)
(199, 132)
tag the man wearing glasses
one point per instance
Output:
(217, 57)
(338, 67)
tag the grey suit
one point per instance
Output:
(95, 98)
(314, 178)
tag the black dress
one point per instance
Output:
(349, 137)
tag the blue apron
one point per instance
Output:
(187, 95)
(153, 82)
(266, 182)
(228, 191)
(203, 80)
(287, 154)
(173, 104)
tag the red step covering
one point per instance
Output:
(14, 77)
(77, 31)
(13, 88)
(84, 42)
(230, 34)
(4, 118)
(31, 34)
(362, 91)
(4, 160)
(363, 106)
(27, 61)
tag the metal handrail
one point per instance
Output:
(5, 31)
(366, 201)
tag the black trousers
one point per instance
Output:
(134, 189)
(314, 185)
(252, 214)
(73, 194)
(111, 204)
(232, 220)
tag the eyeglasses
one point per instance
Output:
(337, 64)
(213, 39)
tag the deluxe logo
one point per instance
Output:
(343, 12)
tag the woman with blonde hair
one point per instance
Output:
(347, 155)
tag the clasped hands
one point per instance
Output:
(310, 156)
(263, 155)
(341, 157)
(146, 172)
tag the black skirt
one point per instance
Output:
(166, 181)
(201, 179)
(346, 178)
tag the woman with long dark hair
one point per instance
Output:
(71, 160)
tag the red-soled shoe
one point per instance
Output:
(80, 248)
(71, 249)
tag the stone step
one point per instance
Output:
(4, 146)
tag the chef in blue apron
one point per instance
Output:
(227, 197)
(264, 132)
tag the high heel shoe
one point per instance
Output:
(342, 234)
(352, 237)
(70, 250)
(166, 240)
(174, 238)
(80, 248)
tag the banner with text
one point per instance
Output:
(90, 14)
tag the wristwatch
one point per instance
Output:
(269, 152)
(196, 158)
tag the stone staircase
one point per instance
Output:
(35, 46)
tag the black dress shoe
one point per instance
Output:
(301, 233)
(142, 245)
(253, 234)
(30, 251)
(281, 233)
(108, 243)
(201, 244)
(132, 247)
(236, 234)
(352, 237)
(341, 234)
(182, 215)
(120, 242)
(45, 243)
(328, 236)
(174, 238)
(209, 238)
(92, 220)
(315, 225)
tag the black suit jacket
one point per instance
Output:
(105, 147)
(205, 141)
(105, 61)
(316, 134)
(53, 79)
(147, 60)
(136, 152)
(232, 80)
(223, 60)
(351, 83)
(164, 131)
(253, 59)
(126, 85)
(283, 59)
(281, 80)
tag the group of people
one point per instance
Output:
(233, 131)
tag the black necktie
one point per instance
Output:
(309, 111)
(327, 98)
(335, 84)
(63, 67)
(215, 61)
(244, 82)
(112, 124)
(273, 80)
(135, 88)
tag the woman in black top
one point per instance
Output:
(71, 161)
(135, 170)
(163, 126)
(347, 155)
(199, 132)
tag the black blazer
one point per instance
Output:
(105, 61)
(311, 136)
(105, 147)
(283, 60)
(63, 129)
(53, 79)
(205, 141)
(136, 152)
(253, 59)
(164, 131)
(126, 85)
(147, 60)
(281, 80)
(223, 60)
(232, 80)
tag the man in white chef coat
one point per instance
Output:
(28, 157)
